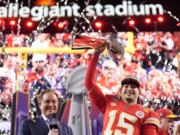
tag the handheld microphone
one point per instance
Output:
(53, 121)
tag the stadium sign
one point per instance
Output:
(126, 8)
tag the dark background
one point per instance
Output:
(119, 23)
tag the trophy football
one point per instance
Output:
(84, 41)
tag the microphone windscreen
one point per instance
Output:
(53, 121)
(53, 116)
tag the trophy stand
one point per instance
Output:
(79, 119)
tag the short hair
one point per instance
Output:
(130, 80)
(40, 96)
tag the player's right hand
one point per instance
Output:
(101, 48)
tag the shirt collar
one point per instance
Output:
(45, 118)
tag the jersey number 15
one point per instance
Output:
(121, 123)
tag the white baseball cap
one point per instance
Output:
(39, 57)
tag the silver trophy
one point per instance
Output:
(115, 49)
(79, 115)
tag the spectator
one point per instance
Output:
(166, 121)
(8, 78)
(35, 80)
(108, 79)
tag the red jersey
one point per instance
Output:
(119, 117)
(31, 77)
(162, 132)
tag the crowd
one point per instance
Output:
(152, 58)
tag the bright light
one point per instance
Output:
(98, 24)
(1, 21)
(160, 19)
(147, 20)
(131, 22)
(61, 24)
(29, 23)
(12, 22)
(178, 24)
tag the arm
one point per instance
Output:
(24, 130)
(65, 130)
(151, 124)
(95, 92)
(70, 131)
(149, 129)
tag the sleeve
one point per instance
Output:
(95, 93)
(152, 118)
(65, 130)
(24, 130)
(70, 132)
(151, 123)
(149, 129)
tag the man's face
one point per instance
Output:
(39, 63)
(108, 71)
(130, 93)
(49, 104)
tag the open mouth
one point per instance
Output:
(129, 100)
(129, 92)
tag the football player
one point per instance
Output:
(122, 114)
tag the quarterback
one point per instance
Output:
(122, 114)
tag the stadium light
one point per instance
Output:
(147, 20)
(98, 24)
(12, 22)
(131, 22)
(1, 22)
(29, 24)
(160, 19)
(61, 24)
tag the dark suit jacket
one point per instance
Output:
(39, 127)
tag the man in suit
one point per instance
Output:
(48, 104)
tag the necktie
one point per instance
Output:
(47, 123)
